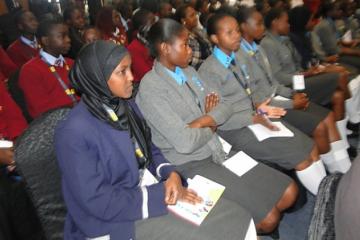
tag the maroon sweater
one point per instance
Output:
(12, 122)
(20, 53)
(41, 89)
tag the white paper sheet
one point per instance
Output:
(240, 163)
(263, 133)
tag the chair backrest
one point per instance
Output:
(322, 225)
(18, 95)
(36, 162)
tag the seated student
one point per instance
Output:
(17, 217)
(199, 43)
(281, 53)
(26, 46)
(44, 80)
(7, 67)
(310, 118)
(300, 19)
(102, 169)
(224, 72)
(142, 62)
(90, 34)
(321, 87)
(183, 116)
(107, 22)
(74, 18)
(327, 41)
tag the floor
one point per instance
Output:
(294, 226)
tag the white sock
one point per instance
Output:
(351, 110)
(340, 161)
(341, 125)
(311, 177)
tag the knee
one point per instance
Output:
(339, 96)
(320, 129)
(270, 222)
(313, 156)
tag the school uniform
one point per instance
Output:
(325, 43)
(171, 100)
(42, 89)
(260, 70)
(22, 50)
(235, 87)
(142, 62)
(7, 67)
(285, 63)
(12, 122)
(100, 180)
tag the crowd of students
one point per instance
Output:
(156, 88)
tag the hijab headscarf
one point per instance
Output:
(89, 75)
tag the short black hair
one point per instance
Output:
(212, 24)
(68, 12)
(181, 12)
(244, 13)
(164, 30)
(140, 18)
(274, 13)
(18, 18)
(46, 25)
(298, 18)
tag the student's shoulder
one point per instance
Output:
(210, 65)
(35, 66)
(14, 46)
(78, 122)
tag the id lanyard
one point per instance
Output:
(244, 84)
(68, 91)
(138, 152)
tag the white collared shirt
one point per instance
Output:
(30, 43)
(51, 59)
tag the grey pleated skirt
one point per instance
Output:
(286, 152)
(306, 120)
(320, 88)
(226, 221)
(257, 191)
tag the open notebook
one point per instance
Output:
(208, 190)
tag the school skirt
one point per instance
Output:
(306, 120)
(286, 152)
(227, 220)
(320, 88)
(257, 191)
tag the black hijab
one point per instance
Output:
(89, 75)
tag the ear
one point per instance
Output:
(164, 48)
(243, 27)
(214, 39)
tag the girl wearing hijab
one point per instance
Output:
(184, 113)
(104, 150)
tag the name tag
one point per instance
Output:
(298, 82)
